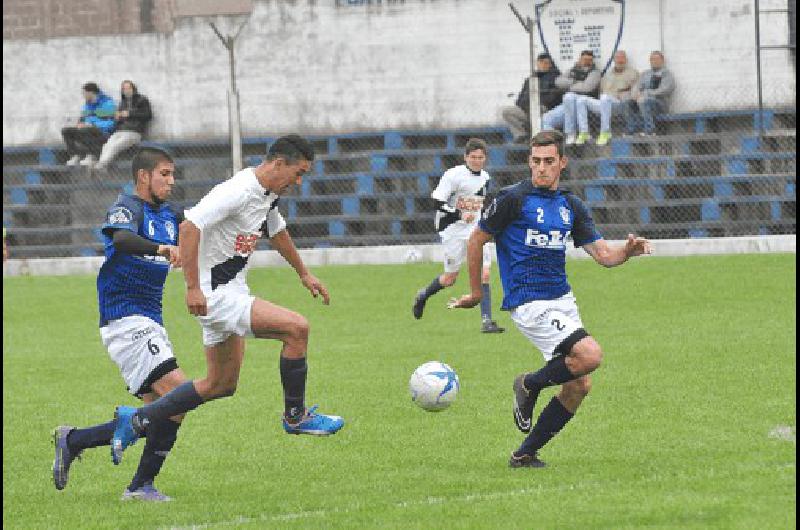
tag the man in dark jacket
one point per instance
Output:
(132, 118)
(518, 115)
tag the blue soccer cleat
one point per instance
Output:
(124, 433)
(314, 424)
(64, 457)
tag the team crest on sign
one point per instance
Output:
(564, 214)
(567, 27)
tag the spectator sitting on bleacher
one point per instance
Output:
(132, 118)
(651, 97)
(94, 127)
(517, 116)
(615, 88)
(582, 79)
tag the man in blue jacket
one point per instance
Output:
(86, 139)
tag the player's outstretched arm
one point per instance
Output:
(282, 242)
(188, 245)
(475, 244)
(608, 256)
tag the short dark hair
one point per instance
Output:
(473, 144)
(549, 137)
(587, 52)
(291, 148)
(657, 52)
(148, 158)
(543, 56)
(91, 87)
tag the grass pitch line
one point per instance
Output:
(783, 432)
(470, 497)
(428, 501)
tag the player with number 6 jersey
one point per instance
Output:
(141, 237)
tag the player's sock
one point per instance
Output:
(553, 373)
(183, 398)
(161, 436)
(550, 422)
(434, 287)
(94, 436)
(293, 378)
(486, 302)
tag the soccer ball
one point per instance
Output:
(434, 386)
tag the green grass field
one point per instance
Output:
(699, 368)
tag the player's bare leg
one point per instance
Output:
(271, 321)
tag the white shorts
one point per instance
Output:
(455, 252)
(228, 314)
(141, 349)
(549, 324)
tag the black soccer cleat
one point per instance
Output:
(524, 401)
(419, 304)
(64, 456)
(490, 326)
(525, 460)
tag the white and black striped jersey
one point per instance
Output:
(232, 217)
(459, 189)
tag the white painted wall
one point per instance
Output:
(344, 65)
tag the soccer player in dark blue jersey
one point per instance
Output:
(531, 224)
(141, 236)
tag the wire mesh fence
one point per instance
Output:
(719, 170)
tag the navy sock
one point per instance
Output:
(161, 436)
(183, 398)
(94, 436)
(293, 378)
(486, 302)
(434, 287)
(550, 422)
(553, 373)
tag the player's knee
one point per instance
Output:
(226, 389)
(300, 329)
(592, 358)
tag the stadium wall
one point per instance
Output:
(400, 254)
(346, 65)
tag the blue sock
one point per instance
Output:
(550, 422)
(486, 302)
(161, 436)
(94, 436)
(434, 287)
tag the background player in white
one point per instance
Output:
(459, 198)
(531, 223)
(216, 240)
(140, 233)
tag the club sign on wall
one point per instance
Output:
(566, 27)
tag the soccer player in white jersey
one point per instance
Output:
(459, 199)
(216, 240)
(531, 223)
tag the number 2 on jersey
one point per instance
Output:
(539, 215)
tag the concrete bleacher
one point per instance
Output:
(709, 174)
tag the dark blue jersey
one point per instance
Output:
(531, 229)
(131, 284)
